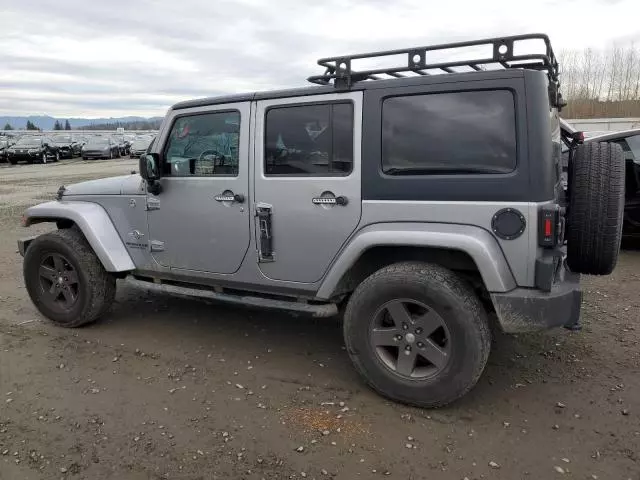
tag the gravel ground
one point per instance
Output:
(166, 387)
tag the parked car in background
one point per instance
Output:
(100, 147)
(68, 146)
(139, 146)
(123, 146)
(5, 143)
(31, 149)
(629, 140)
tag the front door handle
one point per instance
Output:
(341, 200)
(229, 197)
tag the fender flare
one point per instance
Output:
(95, 224)
(478, 243)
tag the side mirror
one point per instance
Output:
(149, 168)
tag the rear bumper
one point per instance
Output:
(527, 310)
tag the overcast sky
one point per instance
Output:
(95, 58)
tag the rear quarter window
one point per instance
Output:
(471, 132)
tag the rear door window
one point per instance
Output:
(449, 133)
(309, 140)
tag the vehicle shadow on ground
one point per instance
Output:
(299, 345)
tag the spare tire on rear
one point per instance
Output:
(595, 208)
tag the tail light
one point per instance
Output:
(578, 137)
(550, 226)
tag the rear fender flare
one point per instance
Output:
(95, 224)
(478, 243)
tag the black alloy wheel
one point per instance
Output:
(410, 339)
(58, 281)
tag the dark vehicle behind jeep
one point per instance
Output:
(629, 141)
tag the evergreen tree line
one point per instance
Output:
(59, 125)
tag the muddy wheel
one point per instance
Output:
(596, 207)
(65, 279)
(417, 333)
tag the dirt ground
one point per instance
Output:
(172, 388)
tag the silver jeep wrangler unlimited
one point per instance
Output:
(423, 199)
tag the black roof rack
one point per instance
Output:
(339, 69)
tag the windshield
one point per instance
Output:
(29, 142)
(62, 139)
(99, 141)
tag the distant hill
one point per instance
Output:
(45, 122)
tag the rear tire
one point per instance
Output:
(596, 208)
(448, 361)
(65, 258)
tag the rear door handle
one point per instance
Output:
(341, 200)
(229, 197)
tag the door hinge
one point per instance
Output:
(157, 246)
(153, 203)
(265, 238)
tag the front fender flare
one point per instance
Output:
(479, 244)
(95, 224)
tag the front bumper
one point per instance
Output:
(24, 156)
(527, 310)
(23, 244)
(95, 154)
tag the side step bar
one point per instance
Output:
(319, 311)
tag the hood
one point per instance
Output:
(123, 185)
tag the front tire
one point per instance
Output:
(65, 279)
(417, 333)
